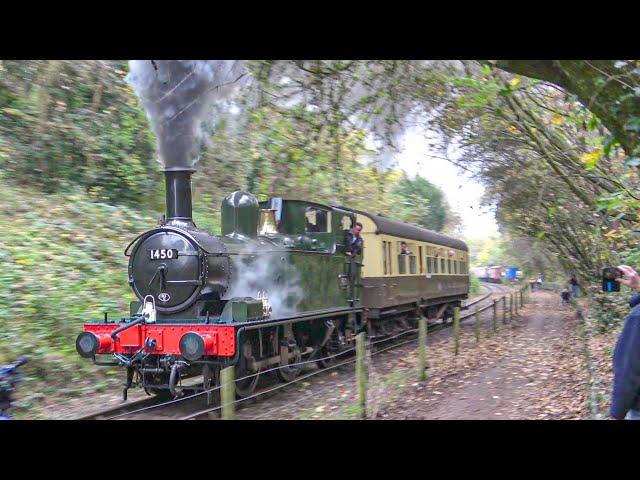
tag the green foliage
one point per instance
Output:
(475, 288)
(486, 251)
(68, 123)
(420, 202)
(63, 265)
(609, 309)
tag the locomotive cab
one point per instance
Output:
(306, 225)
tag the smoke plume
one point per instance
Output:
(184, 100)
(267, 273)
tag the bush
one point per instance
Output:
(609, 309)
(62, 265)
(475, 287)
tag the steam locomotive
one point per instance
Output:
(274, 288)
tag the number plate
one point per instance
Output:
(163, 253)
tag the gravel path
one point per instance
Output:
(532, 370)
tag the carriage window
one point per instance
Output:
(449, 270)
(402, 265)
(442, 266)
(384, 257)
(346, 223)
(389, 258)
(412, 264)
(435, 265)
(404, 248)
(316, 220)
(429, 265)
(421, 259)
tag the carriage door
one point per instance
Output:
(342, 221)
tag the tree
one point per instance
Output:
(67, 123)
(606, 87)
(421, 203)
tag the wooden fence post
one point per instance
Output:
(504, 309)
(511, 307)
(361, 374)
(227, 392)
(494, 320)
(477, 325)
(422, 349)
(456, 330)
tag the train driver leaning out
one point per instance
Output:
(353, 241)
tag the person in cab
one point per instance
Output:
(353, 241)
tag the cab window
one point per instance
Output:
(315, 220)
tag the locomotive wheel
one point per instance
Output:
(246, 387)
(326, 352)
(287, 374)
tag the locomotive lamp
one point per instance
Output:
(88, 344)
(193, 345)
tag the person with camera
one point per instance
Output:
(625, 398)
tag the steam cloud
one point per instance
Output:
(266, 273)
(183, 100)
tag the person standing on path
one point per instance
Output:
(625, 398)
(575, 286)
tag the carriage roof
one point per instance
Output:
(408, 230)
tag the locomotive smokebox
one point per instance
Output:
(178, 195)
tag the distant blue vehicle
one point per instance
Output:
(511, 273)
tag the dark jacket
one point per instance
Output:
(626, 364)
(352, 246)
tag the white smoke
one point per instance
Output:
(262, 272)
(184, 101)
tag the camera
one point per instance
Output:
(609, 275)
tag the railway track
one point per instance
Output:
(191, 407)
(124, 408)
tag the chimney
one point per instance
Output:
(178, 195)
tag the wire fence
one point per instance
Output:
(376, 387)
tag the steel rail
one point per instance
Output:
(154, 402)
